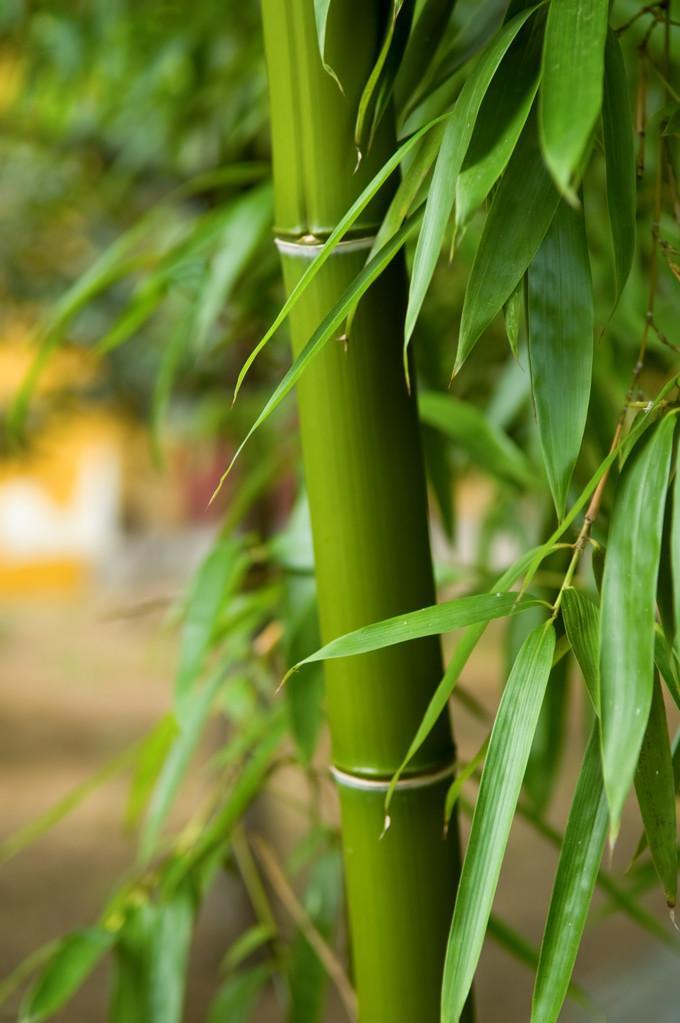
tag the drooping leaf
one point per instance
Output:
(581, 617)
(408, 191)
(378, 89)
(499, 790)
(169, 955)
(426, 34)
(577, 871)
(321, 12)
(456, 140)
(628, 605)
(462, 774)
(129, 1002)
(548, 747)
(236, 999)
(655, 789)
(149, 762)
(216, 579)
(520, 215)
(501, 119)
(571, 84)
(667, 662)
(619, 153)
(560, 317)
(487, 445)
(73, 960)
(427, 621)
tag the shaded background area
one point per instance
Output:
(115, 115)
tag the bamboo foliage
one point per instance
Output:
(511, 143)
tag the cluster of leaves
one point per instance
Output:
(518, 154)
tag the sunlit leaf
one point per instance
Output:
(571, 84)
(499, 790)
(628, 606)
(560, 318)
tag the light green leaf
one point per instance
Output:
(560, 317)
(74, 959)
(619, 152)
(575, 880)
(458, 660)
(457, 135)
(501, 119)
(169, 956)
(581, 617)
(327, 328)
(487, 445)
(409, 188)
(571, 84)
(427, 621)
(628, 606)
(248, 943)
(217, 579)
(499, 790)
(130, 989)
(321, 12)
(655, 789)
(520, 215)
(148, 763)
(237, 997)
(512, 315)
(336, 235)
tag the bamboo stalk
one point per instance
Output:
(366, 487)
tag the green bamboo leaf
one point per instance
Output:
(456, 140)
(666, 661)
(581, 617)
(560, 317)
(523, 951)
(499, 790)
(462, 774)
(655, 789)
(548, 747)
(247, 943)
(195, 711)
(512, 316)
(619, 152)
(571, 84)
(321, 12)
(432, 19)
(520, 215)
(217, 579)
(326, 329)
(575, 880)
(149, 761)
(438, 470)
(459, 659)
(73, 960)
(410, 186)
(675, 549)
(627, 618)
(427, 621)
(378, 88)
(169, 954)
(501, 119)
(336, 235)
(130, 989)
(236, 999)
(486, 444)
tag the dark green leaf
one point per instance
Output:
(132, 955)
(499, 790)
(619, 152)
(628, 607)
(457, 135)
(378, 89)
(520, 215)
(571, 84)
(655, 788)
(74, 959)
(560, 317)
(573, 889)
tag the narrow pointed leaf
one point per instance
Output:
(520, 215)
(560, 316)
(487, 445)
(501, 119)
(457, 135)
(321, 12)
(378, 89)
(69, 967)
(655, 789)
(169, 956)
(619, 153)
(577, 872)
(581, 617)
(628, 606)
(462, 775)
(427, 621)
(571, 85)
(499, 790)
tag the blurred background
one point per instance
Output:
(136, 273)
